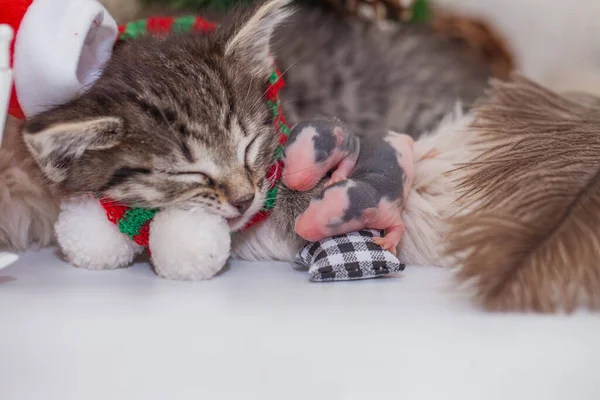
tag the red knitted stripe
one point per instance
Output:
(160, 24)
(282, 140)
(279, 169)
(258, 217)
(203, 25)
(281, 116)
(114, 211)
(274, 88)
(143, 237)
(272, 171)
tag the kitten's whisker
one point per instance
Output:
(270, 198)
(302, 170)
(164, 117)
(296, 99)
(290, 66)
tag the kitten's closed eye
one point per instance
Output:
(190, 176)
(251, 152)
(247, 154)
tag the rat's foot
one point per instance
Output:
(343, 170)
(386, 244)
(391, 239)
(333, 181)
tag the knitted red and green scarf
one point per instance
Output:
(135, 222)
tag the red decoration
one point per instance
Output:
(204, 26)
(12, 13)
(160, 24)
(143, 237)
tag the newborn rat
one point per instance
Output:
(368, 188)
(313, 149)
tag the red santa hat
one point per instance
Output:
(59, 49)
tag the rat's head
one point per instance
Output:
(175, 120)
(310, 152)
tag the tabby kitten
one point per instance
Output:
(177, 120)
(181, 120)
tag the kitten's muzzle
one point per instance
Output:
(242, 203)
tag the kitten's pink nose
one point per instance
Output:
(243, 203)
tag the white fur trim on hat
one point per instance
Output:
(60, 49)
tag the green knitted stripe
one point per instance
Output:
(279, 153)
(273, 107)
(184, 24)
(270, 200)
(284, 128)
(273, 78)
(135, 29)
(134, 219)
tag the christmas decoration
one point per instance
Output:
(66, 60)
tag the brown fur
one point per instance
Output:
(27, 210)
(530, 238)
(477, 36)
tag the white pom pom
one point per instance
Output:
(189, 245)
(89, 240)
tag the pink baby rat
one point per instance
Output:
(374, 193)
(313, 149)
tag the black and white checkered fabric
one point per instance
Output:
(347, 257)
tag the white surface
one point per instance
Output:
(7, 258)
(262, 331)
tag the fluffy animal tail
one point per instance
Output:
(27, 210)
(530, 239)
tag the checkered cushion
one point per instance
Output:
(347, 257)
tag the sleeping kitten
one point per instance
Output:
(180, 120)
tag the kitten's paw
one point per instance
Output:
(189, 244)
(89, 240)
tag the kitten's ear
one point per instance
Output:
(55, 146)
(250, 42)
